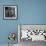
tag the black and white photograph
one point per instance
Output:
(10, 11)
(31, 34)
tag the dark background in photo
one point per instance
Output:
(9, 12)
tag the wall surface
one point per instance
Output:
(29, 12)
(7, 26)
(33, 12)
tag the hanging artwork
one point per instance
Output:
(10, 11)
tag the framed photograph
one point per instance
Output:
(33, 32)
(10, 11)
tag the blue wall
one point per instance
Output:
(33, 11)
(29, 12)
(7, 26)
